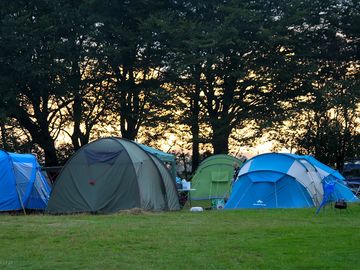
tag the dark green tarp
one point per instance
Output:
(112, 174)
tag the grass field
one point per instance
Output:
(242, 239)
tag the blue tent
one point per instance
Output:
(333, 184)
(276, 180)
(22, 185)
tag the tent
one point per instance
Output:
(164, 157)
(277, 180)
(112, 174)
(333, 182)
(213, 177)
(22, 185)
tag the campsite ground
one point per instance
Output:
(242, 239)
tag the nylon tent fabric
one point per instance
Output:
(275, 192)
(213, 177)
(109, 175)
(331, 176)
(168, 184)
(332, 180)
(324, 170)
(164, 157)
(278, 180)
(22, 185)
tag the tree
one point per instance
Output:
(132, 57)
(87, 96)
(222, 65)
(320, 40)
(30, 67)
(51, 67)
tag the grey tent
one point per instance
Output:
(164, 157)
(112, 174)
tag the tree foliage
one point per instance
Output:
(146, 68)
(325, 120)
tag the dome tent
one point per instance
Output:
(112, 174)
(22, 184)
(213, 177)
(276, 180)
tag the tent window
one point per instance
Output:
(94, 157)
(23, 174)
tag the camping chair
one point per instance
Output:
(329, 188)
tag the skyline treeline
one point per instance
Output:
(207, 73)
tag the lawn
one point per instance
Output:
(242, 239)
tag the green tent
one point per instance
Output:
(112, 174)
(212, 179)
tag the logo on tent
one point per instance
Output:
(259, 203)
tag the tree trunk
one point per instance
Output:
(130, 113)
(47, 143)
(40, 134)
(195, 147)
(77, 105)
(3, 136)
(128, 129)
(195, 129)
(77, 113)
(220, 139)
(50, 155)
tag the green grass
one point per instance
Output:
(242, 239)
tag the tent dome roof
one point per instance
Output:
(112, 174)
